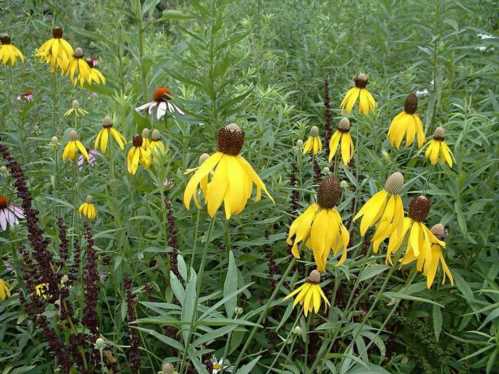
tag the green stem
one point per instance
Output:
(228, 244)
(195, 244)
(266, 309)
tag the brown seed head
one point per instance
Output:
(394, 183)
(439, 231)
(107, 122)
(137, 141)
(203, 158)
(361, 80)
(156, 135)
(314, 277)
(329, 192)
(230, 139)
(419, 208)
(344, 125)
(78, 53)
(439, 133)
(411, 104)
(5, 38)
(57, 32)
(73, 135)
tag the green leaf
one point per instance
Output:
(399, 295)
(188, 307)
(230, 286)
(177, 288)
(246, 369)
(368, 369)
(437, 321)
(371, 271)
(182, 267)
(164, 339)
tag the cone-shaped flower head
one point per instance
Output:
(230, 176)
(107, 131)
(407, 124)
(138, 154)
(87, 209)
(359, 93)
(9, 54)
(342, 139)
(419, 237)
(320, 226)
(56, 51)
(313, 144)
(437, 149)
(95, 75)
(310, 294)
(384, 210)
(74, 146)
(80, 72)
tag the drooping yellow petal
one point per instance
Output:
(255, 178)
(218, 186)
(372, 211)
(118, 138)
(350, 99)
(200, 174)
(300, 228)
(333, 144)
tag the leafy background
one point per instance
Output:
(262, 64)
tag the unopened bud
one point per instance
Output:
(344, 185)
(238, 310)
(100, 344)
(297, 330)
(299, 143)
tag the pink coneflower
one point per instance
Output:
(26, 96)
(9, 213)
(162, 103)
(92, 158)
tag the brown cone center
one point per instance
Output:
(329, 193)
(419, 207)
(137, 141)
(4, 202)
(411, 104)
(57, 32)
(230, 140)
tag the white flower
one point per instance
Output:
(422, 93)
(218, 366)
(9, 214)
(484, 36)
(162, 103)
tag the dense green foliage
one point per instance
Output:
(261, 64)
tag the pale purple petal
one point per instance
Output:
(142, 107)
(18, 211)
(11, 218)
(178, 109)
(152, 106)
(161, 110)
(3, 220)
(171, 109)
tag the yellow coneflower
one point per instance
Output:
(407, 124)
(9, 54)
(156, 146)
(4, 290)
(231, 177)
(88, 209)
(343, 138)
(56, 51)
(75, 110)
(95, 75)
(146, 133)
(313, 144)
(310, 294)
(438, 150)
(138, 154)
(41, 290)
(320, 226)
(203, 184)
(105, 133)
(359, 93)
(384, 209)
(436, 257)
(79, 71)
(419, 237)
(73, 146)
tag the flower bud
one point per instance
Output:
(299, 143)
(326, 170)
(394, 183)
(100, 344)
(297, 330)
(344, 185)
(238, 310)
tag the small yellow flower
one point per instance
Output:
(231, 177)
(384, 209)
(9, 54)
(438, 150)
(80, 72)
(204, 182)
(75, 110)
(4, 290)
(407, 124)
(359, 93)
(419, 237)
(138, 154)
(313, 144)
(95, 75)
(343, 138)
(310, 294)
(41, 290)
(437, 257)
(73, 146)
(56, 51)
(156, 146)
(87, 209)
(320, 226)
(105, 133)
